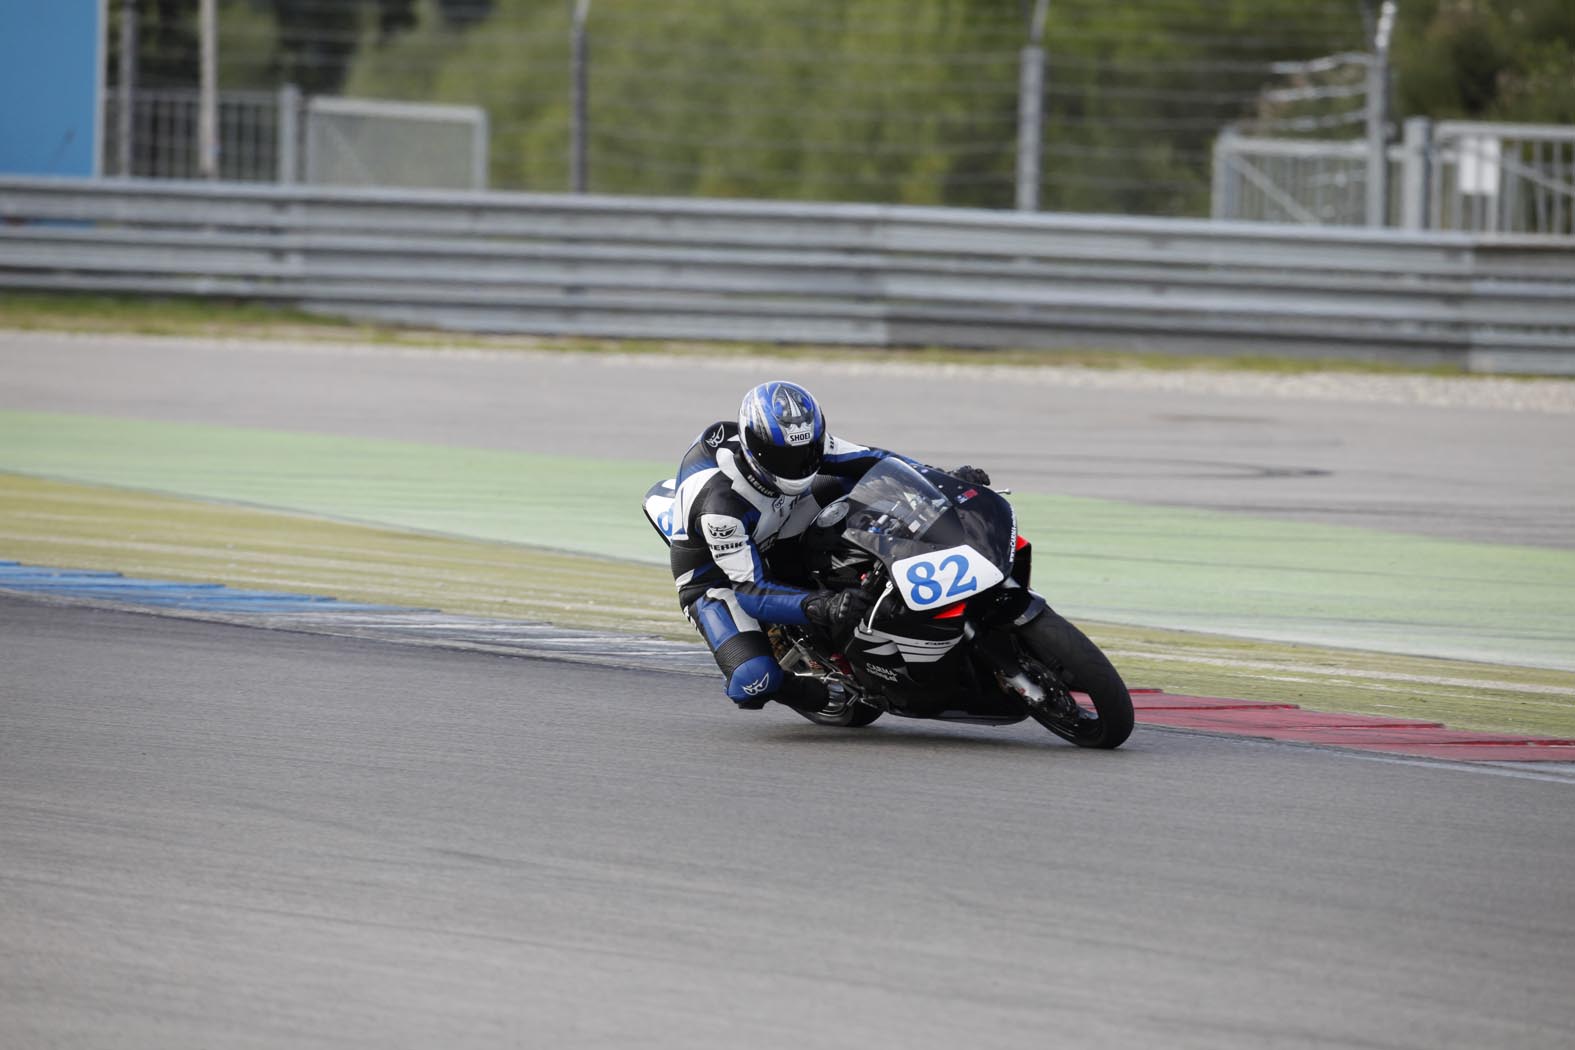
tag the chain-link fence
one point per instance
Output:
(869, 100)
(281, 137)
(1070, 105)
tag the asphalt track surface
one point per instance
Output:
(221, 836)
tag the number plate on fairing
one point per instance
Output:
(939, 578)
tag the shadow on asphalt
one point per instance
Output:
(914, 735)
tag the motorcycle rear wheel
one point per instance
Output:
(854, 716)
(1063, 661)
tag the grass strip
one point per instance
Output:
(1105, 561)
(143, 534)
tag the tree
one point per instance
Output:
(1503, 60)
(915, 100)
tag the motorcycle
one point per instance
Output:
(954, 632)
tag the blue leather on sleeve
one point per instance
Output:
(772, 604)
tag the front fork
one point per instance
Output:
(1002, 658)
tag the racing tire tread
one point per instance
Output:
(1082, 667)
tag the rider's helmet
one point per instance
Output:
(784, 436)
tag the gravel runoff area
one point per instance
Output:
(1546, 395)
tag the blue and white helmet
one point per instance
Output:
(784, 435)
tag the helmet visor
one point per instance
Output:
(784, 461)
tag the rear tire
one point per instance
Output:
(1062, 661)
(854, 716)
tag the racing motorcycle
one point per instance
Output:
(954, 632)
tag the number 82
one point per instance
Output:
(927, 589)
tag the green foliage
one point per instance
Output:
(915, 101)
(520, 78)
(1510, 60)
(1543, 92)
(248, 43)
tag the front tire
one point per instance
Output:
(1062, 661)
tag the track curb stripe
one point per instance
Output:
(1293, 724)
(320, 614)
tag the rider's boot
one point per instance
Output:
(808, 694)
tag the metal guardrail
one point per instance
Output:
(836, 273)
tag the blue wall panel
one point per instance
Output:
(51, 68)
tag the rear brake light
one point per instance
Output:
(951, 610)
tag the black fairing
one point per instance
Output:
(897, 511)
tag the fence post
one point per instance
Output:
(481, 151)
(289, 133)
(1030, 116)
(1378, 119)
(579, 59)
(1222, 195)
(1030, 90)
(208, 104)
(125, 115)
(1414, 179)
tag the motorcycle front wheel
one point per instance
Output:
(1086, 701)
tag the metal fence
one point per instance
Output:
(1514, 178)
(846, 274)
(367, 142)
(256, 135)
(1290, 180)
(1080, 105)
(283, 137)
(1453, 175)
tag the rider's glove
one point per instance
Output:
(972, 475)
(837, 612)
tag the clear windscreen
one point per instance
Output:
(898, 511)
(895, 500)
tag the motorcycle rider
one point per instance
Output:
(745, 492)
